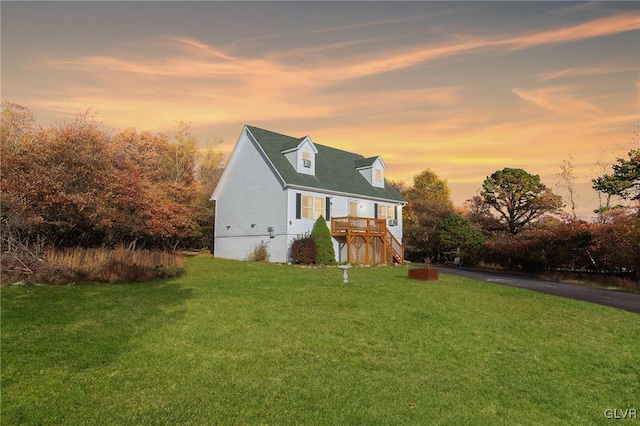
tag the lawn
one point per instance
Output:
(253, 343)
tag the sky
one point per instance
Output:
(461, 88)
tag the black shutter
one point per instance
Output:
(375, 210)
(298, 206)
(395, 212)
(327, 208)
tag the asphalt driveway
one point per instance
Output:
(627, 301)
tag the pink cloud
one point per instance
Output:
(558, 99)
(585, 72)
(597, 28)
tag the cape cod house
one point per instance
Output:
(274, 187)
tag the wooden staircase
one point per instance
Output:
(368, 241)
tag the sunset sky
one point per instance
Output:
(462, 88)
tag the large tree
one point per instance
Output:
(479, 214)
(518, 197)
(625, 180)
(428, 205)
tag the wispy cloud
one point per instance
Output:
(238, 43)
(303, 52)
(194, 59)
(576, 8)
(596, 28)
(584, 72)
(557, 99)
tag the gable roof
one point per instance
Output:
(366, 162)
(293, 144)
(335, 169)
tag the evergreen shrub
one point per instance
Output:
(322, 236)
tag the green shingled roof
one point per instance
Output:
(365, 162)
(293, 143)
(335, 169)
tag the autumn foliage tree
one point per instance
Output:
(208, 171)
(50, 182)
(428, 205)
(74, 185)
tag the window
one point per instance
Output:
(307, 207)
(313, 207)
(318, 207)
(386, 212)
(378, 176)
(306, 159)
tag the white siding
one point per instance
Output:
(339, 207)
(366, 173)
(296, 227)
(249, 194)
(377, 168)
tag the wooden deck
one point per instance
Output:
(368, 240)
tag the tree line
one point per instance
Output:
(74, 185)
(517, 222)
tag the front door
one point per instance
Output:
(353, 208)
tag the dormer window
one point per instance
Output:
(301, 153)
(372, 169)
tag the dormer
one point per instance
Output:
(301, 153)
(372, 169)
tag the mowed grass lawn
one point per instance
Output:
(253, 343)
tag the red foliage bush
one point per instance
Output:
(303, 250)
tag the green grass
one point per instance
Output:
(252, 343)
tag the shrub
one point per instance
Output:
(260, 253)
(458, 235)
(303, 249)
(322, 236)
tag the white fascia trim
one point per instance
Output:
(297, 147)
(384, 166)
(378, 158)
(313, 145)
(344, 194)
(223, 178)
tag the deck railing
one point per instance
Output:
(368, 227)
(397, 249)
(344, 225)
